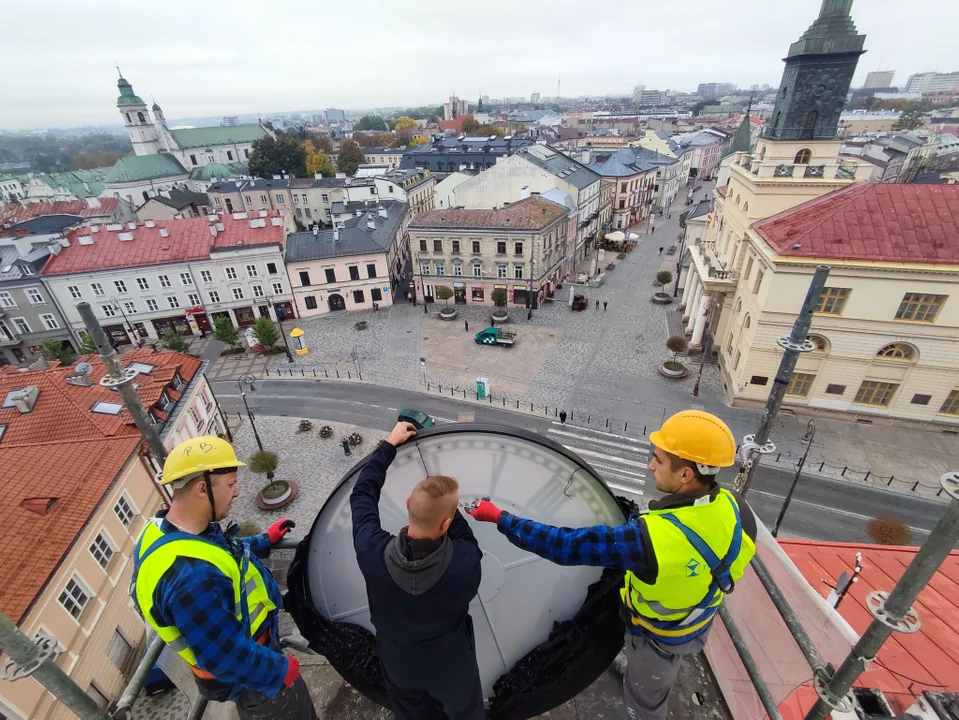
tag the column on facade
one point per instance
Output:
(692, 277)
(700, 325)
(691, 296)
(692, 305)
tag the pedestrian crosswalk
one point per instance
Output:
(620, 460)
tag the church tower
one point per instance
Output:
(819, 69)
(137, 120)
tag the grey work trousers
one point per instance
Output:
(650, 674)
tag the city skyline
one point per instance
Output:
(193, 73)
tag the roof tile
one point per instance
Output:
(529, 214)
(18, 212)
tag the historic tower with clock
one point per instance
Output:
(819, 69)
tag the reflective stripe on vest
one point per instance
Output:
(156, 552)
(692, 579)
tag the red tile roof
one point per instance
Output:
(63, 450)
(455, 124)
(721, 191)
(872, 222)
(529, 214)
(18, 212)
(907, 664)
(188, 239)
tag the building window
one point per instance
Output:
(736, 361)
(358, 297)
(440, 268)
(164, 281)
(35, 298)
(803, 157)
(230, 273)
(108, 310)
(206, 276)
(758, 380)
(152, 305)
(197, 420)
(518, 272)
(6, 299)
(237, 293)
(124, 510)
(216, 201)
(257, 290)
(951, 405)
(186, 278)
(193, 160)
(330, 274)
(102, 550)
(354, 272)
(476, 247)
(246, 153)
(214, 297)
(455, 246)
(75, 597)
(518, 248)
(919, 307)
(819, 341)
(173, 301)
(422, 244)
(251, 271)
(194, 299)
(897, 351)
(74, 292)
(477, 270)
(304, 276)
(309, 213)
(501, 271)
(832, 300)
(277, 288)
(832, 389)
(49, 321)
(800, 385)
(21, 324)
(919, 399)
(758, 282)
(247, 200)
(310, 301)
(437, 246)
(326, 198)
(96, 287)
(376, 295)
(500, 247)
(876, 393)
(130, 307)
(749, 268)
(143, 284)
(458, 269)
(424, 268)
(271, 268)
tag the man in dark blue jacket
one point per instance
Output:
(420, 584)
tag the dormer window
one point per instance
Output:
(178, 383)
(164, 403)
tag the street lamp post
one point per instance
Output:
(679, 262)
(707, 342)
(118, 306)
(279, 318)
(807, 438)
(248, 379)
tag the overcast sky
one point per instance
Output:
(238, 57)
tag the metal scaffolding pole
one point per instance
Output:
(139, 678)
(893, 611)
(794, 344)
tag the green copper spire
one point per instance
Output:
(127, 96)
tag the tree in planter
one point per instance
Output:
(663, 278)
(444, 292)
(676, 344)
(499, 297)
(224, 331)
(54, 350)
(266, 333)
(87, 346)
(264, 462)
(173, 340)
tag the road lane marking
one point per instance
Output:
(603, 456)
(602, 433)
(837, 511)
(621, 446)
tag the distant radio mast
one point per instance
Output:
(557, 87)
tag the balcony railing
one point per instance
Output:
(9, 338)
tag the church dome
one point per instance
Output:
(127, 96)
(156, 107)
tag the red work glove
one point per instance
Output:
(485, 512)
(278, 530)
(292, 671)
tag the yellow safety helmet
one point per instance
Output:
(196, 456)
(699, 437)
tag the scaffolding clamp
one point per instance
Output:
(46, 648)
(876, 605)
(109, 381)
(844, 704)
(750, 449)
(950, 483)
(787, 343)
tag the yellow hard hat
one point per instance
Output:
(699, 437)
(197, 455)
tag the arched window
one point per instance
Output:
(762, 154)
(739, 305)
(803, 157)
(809, 127)
(745, 206)
(145, 196)
(140, 117)
(748, 322)
(822, 344)
(129, 119)
(898, 351)
(737, 198)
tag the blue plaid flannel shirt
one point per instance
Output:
(618, 548)
(197, 599)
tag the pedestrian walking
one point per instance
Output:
(420, 584)
(605, 303)
(652, 226)
(668, 608)
(597, 304)
(376, 308)
(466, 325)
(187, 576)
(562, 416)
(660, 251)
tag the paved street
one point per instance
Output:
(823, 508)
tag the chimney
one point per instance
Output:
(358, 213)
(213, 230)
(219, 227)
(336, 234)
(316, 231)
(317, 176)
(131, 226)
(25, 398)
(276, 177)
(382, 211)
(369, 223)
(150, 223)
(584, 157)
(524, 192)
(39, 505)
(93, 202)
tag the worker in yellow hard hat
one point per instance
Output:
(209, 596)
(680, 557)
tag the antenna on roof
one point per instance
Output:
(118, 68)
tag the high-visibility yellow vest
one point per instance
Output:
(701, 551)
(153, 557)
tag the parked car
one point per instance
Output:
(419, 419)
